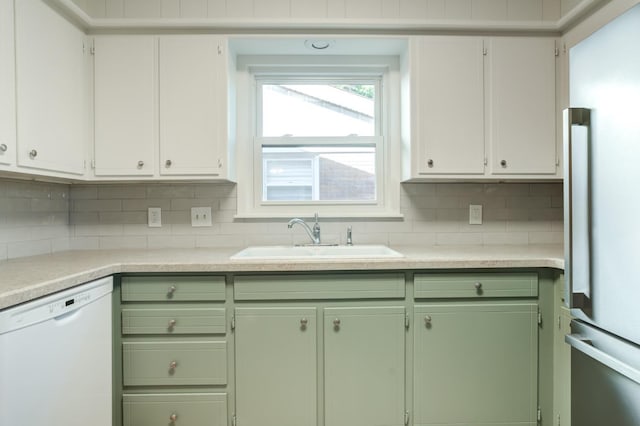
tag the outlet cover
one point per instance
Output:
(475, 214)
(154, 217)
(200, 216)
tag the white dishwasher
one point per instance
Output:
(55, 359)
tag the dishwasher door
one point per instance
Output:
(55, 359)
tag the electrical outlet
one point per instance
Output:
(200, 216)
(155, 217)
(475, 214)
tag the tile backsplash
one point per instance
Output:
(38, 218)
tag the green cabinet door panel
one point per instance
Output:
(197, 409)
(152, 363)
(173, 319)
(364, 367)
(276, 366)
(475, 363)
(474, 285)
(173, 288)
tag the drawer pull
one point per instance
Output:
(336, 324)
(478, 286)
(303, 323)
(173, 417)
(171, 291)
(172, 324)
(173, 365)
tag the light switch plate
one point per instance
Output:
(200, 216)
(154, 217)
(475, 214)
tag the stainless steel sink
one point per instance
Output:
(316, 252)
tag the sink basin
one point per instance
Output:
(316, 252)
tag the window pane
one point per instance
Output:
(318, 110)
(317, 173)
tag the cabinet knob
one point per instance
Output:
(503, 163)
(168, 163)
(171, 291)
(140, 164)
(172, 324)
(173, 417)
(3, 147)
(430, 162)
(336, 323)
(33, 153)
(427, 320)
(478, 286)
(173, 365)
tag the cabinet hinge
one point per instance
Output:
(485, 51)
(92, 48)
(486, 161)
(557, 51)
(220, 50)
(539, 415)
(93, 164)
(558, 419)
(406, 321)
(559, 322)
(539, 318)
(233, 420)
(406, 418)
(233, 322)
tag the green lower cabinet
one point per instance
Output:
(197, 409)
(276, 366)
(475, 363)
(364, 353)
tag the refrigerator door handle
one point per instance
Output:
(584, 345)
(577, 255)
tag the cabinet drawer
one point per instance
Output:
(187, 288)
(183, 319)
(474, 285)
(193, 409)
(320, 286)
(196, 363)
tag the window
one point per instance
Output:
(319, 139)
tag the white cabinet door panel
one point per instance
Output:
(125, 105)
(7, 86)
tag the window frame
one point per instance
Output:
(254, 70)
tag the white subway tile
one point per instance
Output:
(123, 242)
(97, 230)
(96, 205)
(171, 241)
(122, 217)
(143, 205)
(422, 239)
(546, 237)
(28, 248)
(455, 238)
(84, 243)
(505, 238)
(4, 254)
(171, 191)
(83, 192)
(120, 192)
(220, 241)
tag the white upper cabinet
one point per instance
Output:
(7, 86)
(125, 87)
(447, 100)
(52, 119)
(481, 108)
(521, 106)
(160, 106)
(193, 105)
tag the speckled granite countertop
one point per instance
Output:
(28, 278)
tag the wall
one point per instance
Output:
(483, 10)
(34, 218)
(114, 216)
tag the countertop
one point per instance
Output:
(28, 278)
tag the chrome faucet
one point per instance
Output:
(314, 233)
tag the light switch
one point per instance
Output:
(200, 216)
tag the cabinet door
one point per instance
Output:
(125, 90)
(521, 105)
(364, 366)
(192, 105)
(475, 364)
(51, 89)
(276, 366)
(449, 105)
(7, 86)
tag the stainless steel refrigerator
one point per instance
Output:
(602, 224)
